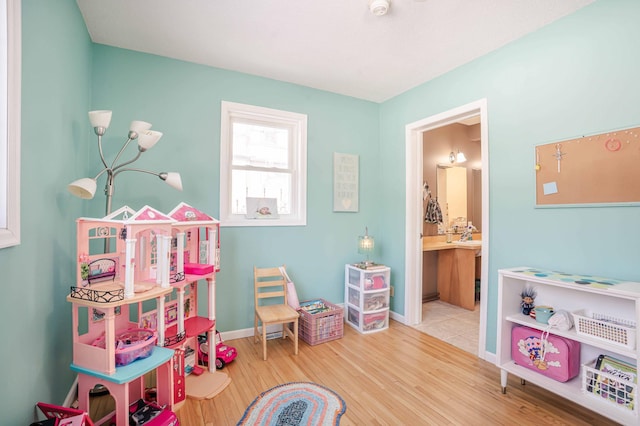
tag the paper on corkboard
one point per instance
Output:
(596, 169)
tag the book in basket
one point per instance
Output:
(612, 385)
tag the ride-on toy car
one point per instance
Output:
(224, 353)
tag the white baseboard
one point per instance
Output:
(272, 331)
(489, 357)
(394, 316)
(248, 332)
(275, 330)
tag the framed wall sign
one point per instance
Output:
(345, 182)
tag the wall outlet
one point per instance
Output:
(390, 291)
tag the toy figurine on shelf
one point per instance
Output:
(527, 295)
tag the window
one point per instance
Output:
(10, 58)
(263, 166)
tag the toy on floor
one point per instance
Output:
(58, 415)
(224, 353)
(149, 413)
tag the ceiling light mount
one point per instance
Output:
(379, 7)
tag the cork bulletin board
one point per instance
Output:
(596, 169)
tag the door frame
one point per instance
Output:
(414, 214)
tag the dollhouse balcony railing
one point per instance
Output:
(172, 340)
(98, 296)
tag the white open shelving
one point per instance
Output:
(562, 291)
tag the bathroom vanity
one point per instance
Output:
(456, 264)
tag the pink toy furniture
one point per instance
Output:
(101, 269)
(127, 384)
(58, 413)
(131, 268)
(99, 365)
(123, 262)
(197, 234)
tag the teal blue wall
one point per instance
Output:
(36, 319)
(183, 101)
(575, 77)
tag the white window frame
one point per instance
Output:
(231, 111)
(11, 60)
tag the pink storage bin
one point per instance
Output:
(560, 361)
(131, 344)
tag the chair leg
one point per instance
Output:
(295, 336)
(255, 329)
(264, 341)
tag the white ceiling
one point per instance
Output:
(333, 45)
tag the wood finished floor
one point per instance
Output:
(399, 376)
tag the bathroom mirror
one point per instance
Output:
(452, 194)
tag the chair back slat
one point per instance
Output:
(271, 294)
(269, 283)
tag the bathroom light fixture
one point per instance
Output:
(366, 244)
(379, 7)
(100, 120)
(457, 158)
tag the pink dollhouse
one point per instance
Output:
(138, 275)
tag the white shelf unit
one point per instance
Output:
(621, 300)
(366, 298)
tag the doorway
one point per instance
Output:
(415, 215)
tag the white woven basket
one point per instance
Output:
(607, 328)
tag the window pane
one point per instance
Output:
(260, 146)
(260, 184)
(263, 154)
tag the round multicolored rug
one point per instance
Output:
(296, 403)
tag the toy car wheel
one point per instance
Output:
(219, 363)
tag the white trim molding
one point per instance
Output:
(414, 214)
(10, 183)
(296, 125)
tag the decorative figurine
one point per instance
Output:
(528, 295)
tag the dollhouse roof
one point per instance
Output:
(149, 214)
(184, 213)
(123, 213)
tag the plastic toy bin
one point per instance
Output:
(375, 301)
(365, 279)
(354, 296)
(131, 344)
(375, 321)
(320, 321)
